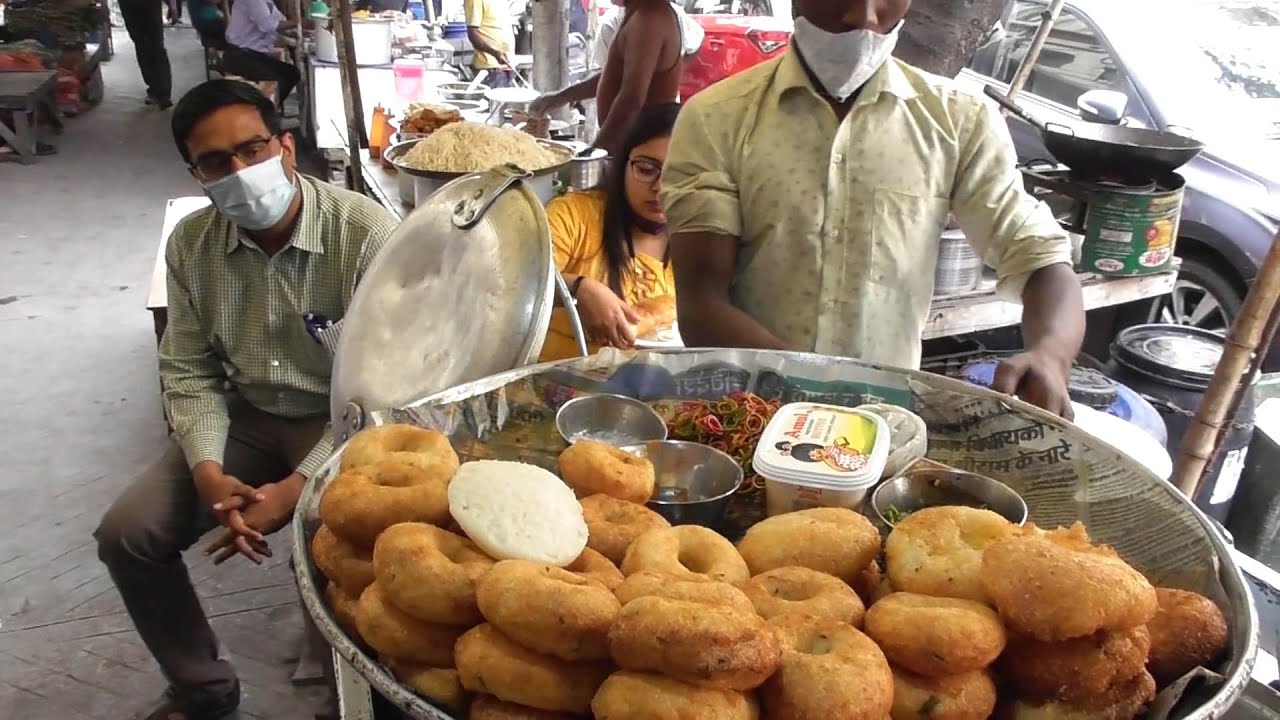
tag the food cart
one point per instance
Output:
(433, 334)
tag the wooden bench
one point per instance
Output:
(28, 96)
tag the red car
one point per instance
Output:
(733, 44)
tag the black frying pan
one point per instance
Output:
(1097, 150)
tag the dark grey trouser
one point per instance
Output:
(143, 534)
(144, 19)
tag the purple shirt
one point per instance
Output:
(253, 25)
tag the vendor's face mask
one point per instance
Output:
(254, 198)
(842, 62)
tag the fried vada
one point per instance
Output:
(647, 583)
(488, 707)
(591, 467)
(935, 636)
(709, 646)
(967, 696)
(360, 503)
(343, 608)
(801, 590)
(430, 573)
(439, 685)
(1121, 702)
(516, 511)
(613, 524)
(1187, 631)
(341, 562)
(1057, 585)
(627, 695)
(938, 551)
(829, 671)
(404, 444)
(593, 565)
(548, 609)
(393, 633)
(490, 662)
(836, 541)
(686, 552)
(1074, 670)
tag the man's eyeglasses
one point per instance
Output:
(645, 170)
(217, 164)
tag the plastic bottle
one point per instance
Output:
(378, 133)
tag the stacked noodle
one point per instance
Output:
(464, 147)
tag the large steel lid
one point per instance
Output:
(462, 290)
(1178, 355)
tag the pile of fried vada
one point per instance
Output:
(501, 591)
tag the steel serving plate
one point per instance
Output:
(1240, 605)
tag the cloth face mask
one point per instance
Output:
(842, 62)
(254, 198)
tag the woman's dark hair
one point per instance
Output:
(205, 98)
(654, 121)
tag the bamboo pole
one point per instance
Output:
(348, 73)
(1224, 394)
(1047, 21)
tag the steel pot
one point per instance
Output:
(588, 171)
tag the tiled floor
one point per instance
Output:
(78, 233)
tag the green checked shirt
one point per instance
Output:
(235, 315)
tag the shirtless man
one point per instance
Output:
(643, 68)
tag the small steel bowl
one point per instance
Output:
(694, 482)
(918, 489)
(614, 419)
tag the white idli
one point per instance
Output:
(516, 511)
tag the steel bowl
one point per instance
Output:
(694, 481)
(614, 419)
(928, 487)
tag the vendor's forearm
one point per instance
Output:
(714, 322)
(479, 44)
(1053, 312)
(579, 92)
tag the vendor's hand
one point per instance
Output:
(543, 105)
(606, 319)
(501, 57)
(1039, 378)
(262, 517)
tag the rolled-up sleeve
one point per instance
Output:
(699, 193)
(1012, 231)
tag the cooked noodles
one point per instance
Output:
(464, 147)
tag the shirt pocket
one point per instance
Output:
(904, 238)
(311, 356)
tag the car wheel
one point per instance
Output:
(1203, 297)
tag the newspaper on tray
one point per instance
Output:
(1063, 474)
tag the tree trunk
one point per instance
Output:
(941, 36)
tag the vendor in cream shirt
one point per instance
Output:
(805, 198)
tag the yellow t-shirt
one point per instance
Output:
(577, 235)
(494, 25)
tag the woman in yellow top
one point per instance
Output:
(611, 243)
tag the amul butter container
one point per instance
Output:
(813, 455)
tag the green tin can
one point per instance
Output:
(1131, 231)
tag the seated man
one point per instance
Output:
(245, 383)
(251, 38)
(209, 23)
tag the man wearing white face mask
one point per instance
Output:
(805, 198)
(245, 378)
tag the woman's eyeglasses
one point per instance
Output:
(645, 171)
(214, 165)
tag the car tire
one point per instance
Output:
(1198, 276)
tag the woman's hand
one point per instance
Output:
(606, 319)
